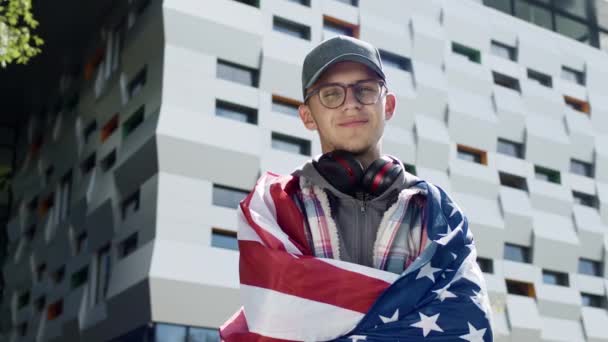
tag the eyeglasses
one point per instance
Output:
(333, 95)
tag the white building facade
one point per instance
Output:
(126, 193)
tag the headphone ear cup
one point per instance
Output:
(380, 175)
(341, 170)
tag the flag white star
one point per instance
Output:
(427, 324)
(454, 209)
(356, 338)
(443, 293)
(474, 335)
(446, 237)
(393, 318)
(427, 271)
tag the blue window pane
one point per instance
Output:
(170, 333)
(224, 239)
(227, 197)
(203, 335)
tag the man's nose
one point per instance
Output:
(351, 100)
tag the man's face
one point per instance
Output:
(353, 127)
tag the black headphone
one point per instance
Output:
(345, 173)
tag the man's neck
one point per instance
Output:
(368, 157)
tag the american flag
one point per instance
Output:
(290, 295)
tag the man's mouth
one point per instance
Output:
(353, 123)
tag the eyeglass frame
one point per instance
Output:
(345, 86)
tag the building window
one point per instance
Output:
(46, 205)
(410, 168)
(333, 27)
(301, 2)
(88, 164)
(48, 174)
(555, 278)
(89, 130)
(237, 73)
(81, 242)
(254, 3)
(80, 277)
(40, 303)
(174, 332)
(228, 197)
(486, 265)
(104, 268)
(395, 61)
(65, 194)
(22, 329)
(589, 267)
(224, 239)
(33, 204)
(58, 275)
(506, 81)
(23, 300)
(578, 105)
(40, 272)
(503, 50)
(349, 2)
(109, 128)
(542, 79)
(138, 82)
(547, 175)
(471, 54)
(290, 144)
(30, 232)
(55, 310)
(512, 181)
(472, 154)
(108, 161)
(520, 288)
(236, 112)
(584, 199)
(510, 148)
(133, 121)
(291, 28)
(533, 14)
(127, 246)
(285, 105)
(130, 205)
(592, 300)
(574, 29)
(517, 253)
(572, 75)
(581, 168)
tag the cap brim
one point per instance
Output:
(347, 57)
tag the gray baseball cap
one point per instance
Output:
(339, 49)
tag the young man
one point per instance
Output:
(350, 246)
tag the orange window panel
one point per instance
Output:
(93, 63)
(55, 310)
(483, 155)
(339, 23)
(580, 105)
(520, 288)
(46, 205)
(286, 100)
(109, 127)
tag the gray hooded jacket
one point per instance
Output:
(357, 218)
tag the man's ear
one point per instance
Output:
(306, 117)
(390, 106)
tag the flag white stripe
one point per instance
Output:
(263, 214)
(279, 315)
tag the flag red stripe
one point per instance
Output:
(289, 217)
(278, 271)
